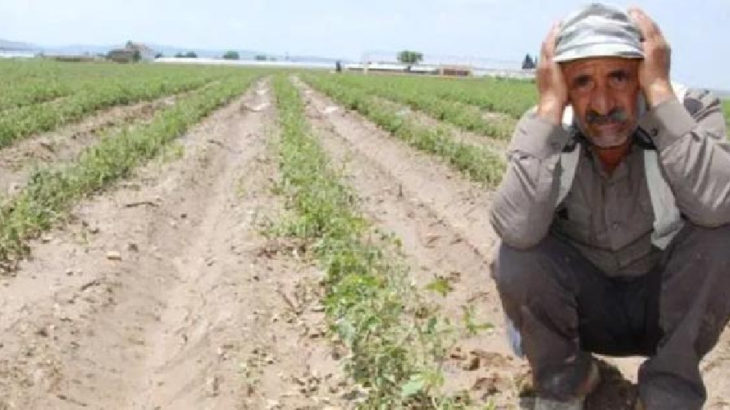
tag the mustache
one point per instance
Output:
(617, 115)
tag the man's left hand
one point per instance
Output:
(654, 69)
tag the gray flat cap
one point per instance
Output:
(598, 30)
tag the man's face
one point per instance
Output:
(603, 92)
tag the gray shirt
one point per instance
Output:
(609, 217)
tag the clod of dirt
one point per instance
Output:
(114, 256)
(282, 246)
(472, 364)
(46, 144)
(457, 354)
(491, 359)
(213, 385)
(492, 384)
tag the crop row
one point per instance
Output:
(395, 341)
(404, 90)
(95, 95)
(34, 81)
(50, 192)
(480, 164)
(726, 108)
(32, 92)
(500, 95)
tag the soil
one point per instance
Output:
(165, 292)
(458, 134)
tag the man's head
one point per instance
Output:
(599, 50)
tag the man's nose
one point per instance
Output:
(601, 102)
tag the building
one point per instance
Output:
(132, 52)
(455, 70)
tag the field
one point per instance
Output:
(192, 237)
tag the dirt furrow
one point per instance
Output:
(19, 160)
(461, 204)
(460, 135)
(168, 295)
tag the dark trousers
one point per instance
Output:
(565, 308)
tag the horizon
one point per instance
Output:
(349, 30)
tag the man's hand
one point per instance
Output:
(550, 81)
(654, 70)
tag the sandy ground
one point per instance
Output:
(165, 293)
(465, 137)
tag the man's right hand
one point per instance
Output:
(550, 81)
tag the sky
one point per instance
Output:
(505, 30)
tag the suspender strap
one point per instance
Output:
(667, 219)
(568, 165)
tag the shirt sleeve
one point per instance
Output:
(694, 154)
(524, 205)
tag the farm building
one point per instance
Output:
(455, 70)
(427, 69)
(16, 54)
(131, 52)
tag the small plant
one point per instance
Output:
(396, 342)
(440, 285)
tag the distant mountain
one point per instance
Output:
(17, 46)
(170, 51)
(165, 50)
(80, 49)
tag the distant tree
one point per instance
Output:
(260, 57)
(528, 63)
(191, 54)
(179, 55)
(231, 55)
(410, 57)
(159, 55)
(136, 56)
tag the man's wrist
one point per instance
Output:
(659, 92)
(551, 111)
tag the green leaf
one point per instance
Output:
(414, 386)
(440, 285)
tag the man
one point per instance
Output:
(615, 226)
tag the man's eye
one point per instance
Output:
(619, 78)
(582, 82)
